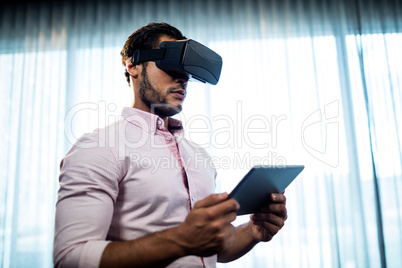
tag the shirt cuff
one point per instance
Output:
(91, 253)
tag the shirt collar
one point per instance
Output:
(148, 121)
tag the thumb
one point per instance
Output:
(211, 200)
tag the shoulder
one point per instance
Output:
(99, 145)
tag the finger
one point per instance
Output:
(224, 221)
(269, 227)
(270, 218)
(278, 209)
(228, 218)
(211, 200)
(278, 198)
(226, 207)
(274, 198)
(273, 208)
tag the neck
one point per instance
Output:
(147, 109)
(140, 105)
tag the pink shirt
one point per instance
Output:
(125, 181)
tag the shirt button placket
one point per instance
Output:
(192, 202)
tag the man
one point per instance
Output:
(115, 211)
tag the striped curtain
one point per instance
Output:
(313, 82)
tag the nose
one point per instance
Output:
(181, 79)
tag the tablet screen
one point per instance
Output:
(256, 186)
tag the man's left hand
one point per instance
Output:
(270, 219)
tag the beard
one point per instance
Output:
(156, 100)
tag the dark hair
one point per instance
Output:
(147, 37)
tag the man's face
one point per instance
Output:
(162, 93)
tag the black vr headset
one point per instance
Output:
(184, 57)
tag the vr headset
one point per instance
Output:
(184, 57)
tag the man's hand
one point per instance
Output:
(270, 219)
(207, 229)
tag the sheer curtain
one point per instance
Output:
(317, 83)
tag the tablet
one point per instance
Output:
(259, 182)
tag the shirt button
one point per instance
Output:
(169, 138)
(159, 122)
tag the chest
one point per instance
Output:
(177, 175)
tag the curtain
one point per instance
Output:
(317, 83)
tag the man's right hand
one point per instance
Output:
(207, 229)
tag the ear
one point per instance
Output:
(133, 69)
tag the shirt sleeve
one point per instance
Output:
(89, 180)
